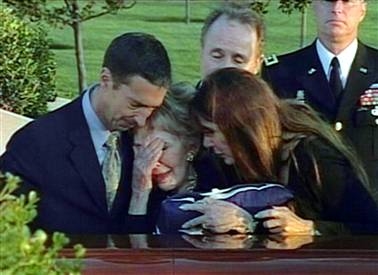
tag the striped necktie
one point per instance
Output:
(111, 168)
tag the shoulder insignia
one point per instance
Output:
(271, 60)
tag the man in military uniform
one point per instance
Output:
(343, 90)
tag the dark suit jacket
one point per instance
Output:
(302, 71)
(55, 156)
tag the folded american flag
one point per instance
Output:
(253, 197)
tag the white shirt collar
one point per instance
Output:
(99, 133)
(345, 58)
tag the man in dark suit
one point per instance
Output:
(62, 154)
(306, 75)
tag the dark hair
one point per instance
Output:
(141, 54)
(231, 98)
(240, 13)
(255, 122)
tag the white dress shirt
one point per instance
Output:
(345, 58)
(99, 133)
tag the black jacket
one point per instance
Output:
(340, 204)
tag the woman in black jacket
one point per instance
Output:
(268, 139)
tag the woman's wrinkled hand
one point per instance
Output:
(146, 157)
(221, 241)
(287, 242)
(219, 216)
(281, 220)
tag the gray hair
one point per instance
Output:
(240, 13)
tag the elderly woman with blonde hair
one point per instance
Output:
(164, 154)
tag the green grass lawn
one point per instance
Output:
(166, 20)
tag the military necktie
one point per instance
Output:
(111, 168)
(334, 80)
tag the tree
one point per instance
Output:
(27, 66)
(286, 6)
(69, 13)
(187, 11)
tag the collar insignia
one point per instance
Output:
(311, 71)
(271, 60)
(363, 70)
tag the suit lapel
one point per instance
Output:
(84, 160)
(90, 170)
(360, 77)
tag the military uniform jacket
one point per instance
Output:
(300, 75)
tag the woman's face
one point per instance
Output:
(214, 138)
(170, 172)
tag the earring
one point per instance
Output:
(190, 156)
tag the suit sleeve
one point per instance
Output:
(21, 158)
(340, 203)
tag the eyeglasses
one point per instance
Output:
(347, 3)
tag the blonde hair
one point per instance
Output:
(173, 115)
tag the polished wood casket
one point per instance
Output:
(227, 254)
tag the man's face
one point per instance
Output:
(337, 21)
(228, 43)
(129, 105)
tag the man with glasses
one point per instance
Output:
(337, 75)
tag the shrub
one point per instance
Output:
(24, 252)
(27, 68)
